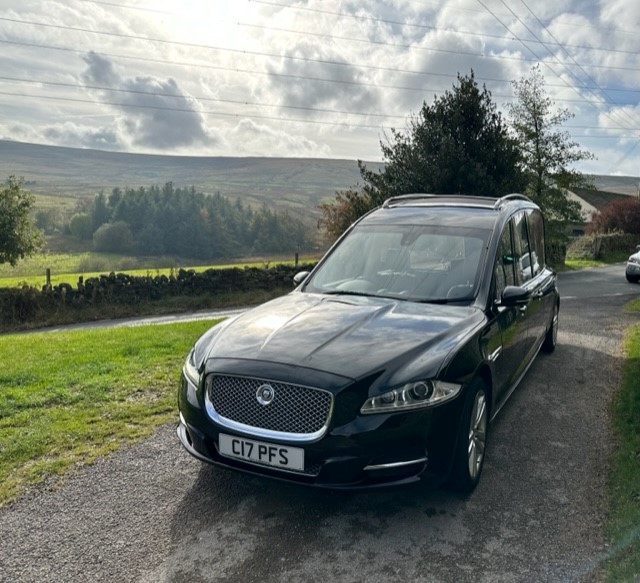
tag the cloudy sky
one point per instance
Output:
(322, 78)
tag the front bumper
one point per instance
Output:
(633, 268)
(367, 451)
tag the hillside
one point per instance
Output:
(296, 184)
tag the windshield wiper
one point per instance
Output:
(435, 301)
(338, 292)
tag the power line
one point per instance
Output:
(291, 57)
(580, 67)
(196, 97)
(263, 117)
(414, 25)
(192, 111)
(308, 77)
(380, 43)
(128, 6)
(539, 59)
(418, 2)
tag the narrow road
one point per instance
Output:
(150, 513)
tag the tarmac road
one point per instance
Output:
(151, 513)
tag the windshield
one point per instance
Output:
(411, 262)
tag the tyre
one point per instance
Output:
(472, 440)
(551, 337)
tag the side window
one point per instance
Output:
(536, 238)
(524, 259)
(504, 268)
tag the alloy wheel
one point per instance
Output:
(477, 434)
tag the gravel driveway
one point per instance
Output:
(150, 513)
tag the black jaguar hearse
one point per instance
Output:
(389, 360)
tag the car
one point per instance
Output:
(632, 272)
(388, 361)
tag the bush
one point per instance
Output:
(113, 238)
(81, 226)
(620, 215)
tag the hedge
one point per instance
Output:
(27, 304)
(596, 246)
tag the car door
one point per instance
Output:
(541, 285)
(507, 349)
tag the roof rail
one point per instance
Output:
(504, 199)
(453, 199)
(406, 198)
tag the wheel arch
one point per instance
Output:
(484, 373)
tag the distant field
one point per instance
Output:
(66, 267)
(46, 202)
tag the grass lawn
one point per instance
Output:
(68, 397)
(624, 481)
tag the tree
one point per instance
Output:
(81, 226)
(113, 238)
(547, 153)
(457, 145)
(101, 213)
(19, 237)
(47, 220)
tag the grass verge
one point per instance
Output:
(624, 481)
(608, 259)
(70, 397)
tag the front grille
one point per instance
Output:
(295, 409)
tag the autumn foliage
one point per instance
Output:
(620, 215)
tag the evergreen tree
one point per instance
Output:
(547, 153)
(457, 145)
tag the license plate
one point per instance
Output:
(279, 456)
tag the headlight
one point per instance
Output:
(634, 259)
(418, 395)
(190, 369)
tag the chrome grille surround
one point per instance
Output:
(297, 413)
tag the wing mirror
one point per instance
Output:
(299, 277)
(514, 295)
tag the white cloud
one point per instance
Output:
(252, 139)
(153, 113)
(223, 78)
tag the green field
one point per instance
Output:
(46, 202)
(74, 396)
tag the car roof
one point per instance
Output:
(447, 210)
(455, 200)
